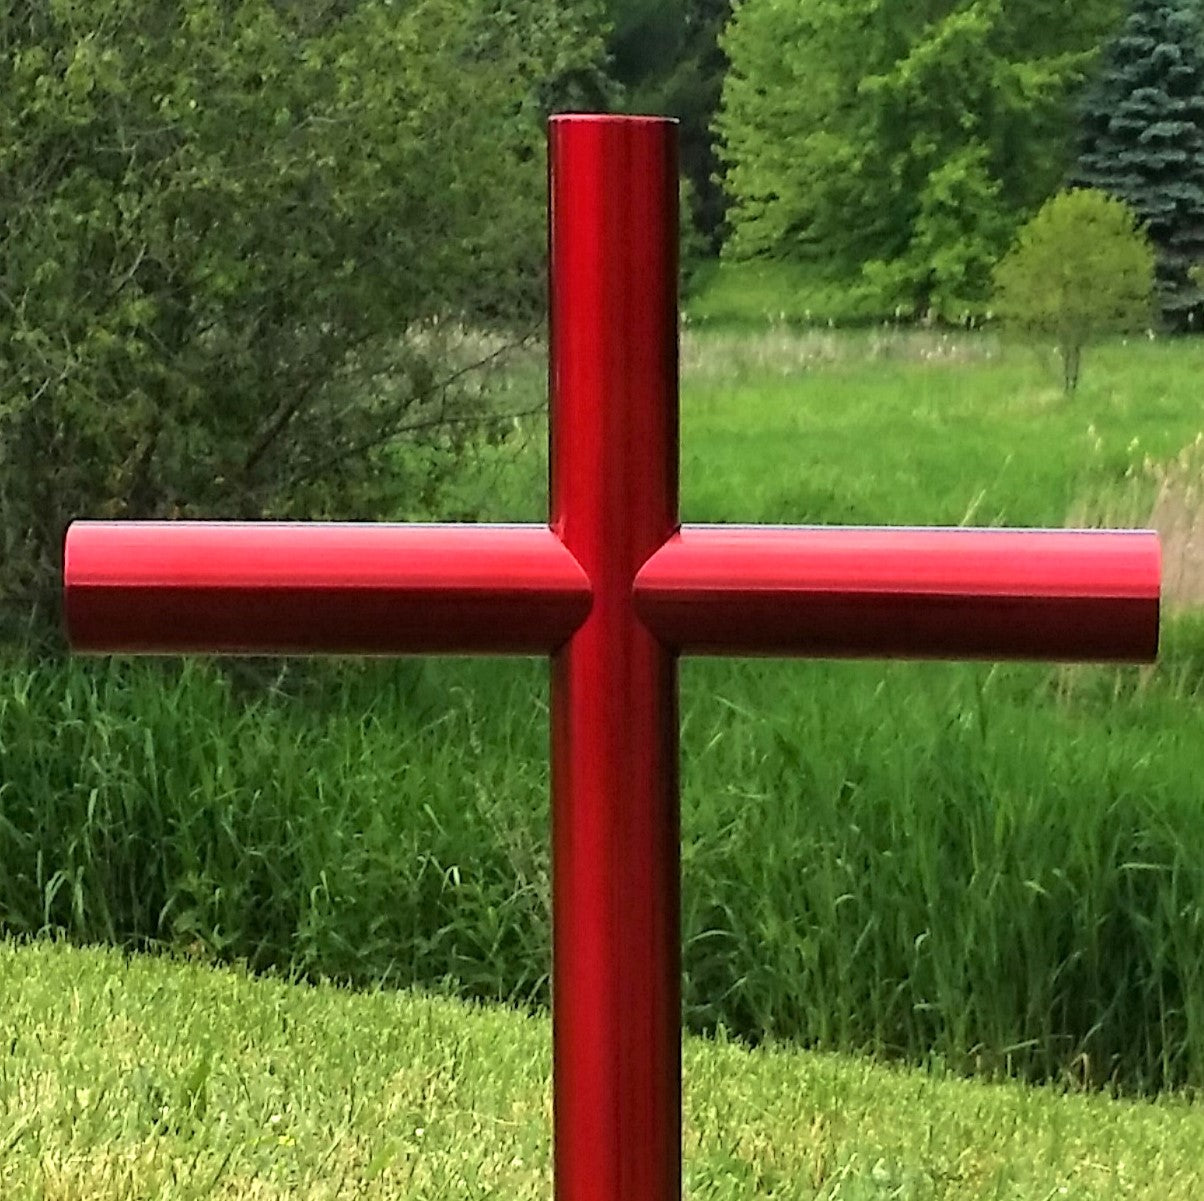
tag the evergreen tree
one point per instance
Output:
(1143, 142)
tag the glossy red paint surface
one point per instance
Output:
(616, 956)
(312, 588)
(914, 593)
(614, 591)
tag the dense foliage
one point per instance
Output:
(665, 55)
(1143, 141)
(1082, 268)
(900, 142)
(232, 237)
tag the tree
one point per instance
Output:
(1082, 268)
(233, 237)
(1143, 141)
(665, 54)
(899, 141)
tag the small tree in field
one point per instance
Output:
(1081, 269)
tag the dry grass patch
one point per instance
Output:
(784, 350)
(1166, 495)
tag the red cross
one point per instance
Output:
(614, 590)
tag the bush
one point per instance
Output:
(1081, 269)
(692, 242)
(223, 226)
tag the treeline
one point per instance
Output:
(902, 145)
(898, 146)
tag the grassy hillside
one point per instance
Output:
(146, 1080)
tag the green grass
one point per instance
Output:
(140, 1079)
(886, 440)
(896, 427)
(749, 294)
(997, 865)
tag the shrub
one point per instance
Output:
(1080, 269)
(218, 225)
(692, 241)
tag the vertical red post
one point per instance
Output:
(616, 959)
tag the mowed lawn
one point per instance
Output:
(140, 1079)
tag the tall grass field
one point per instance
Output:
(994, 868)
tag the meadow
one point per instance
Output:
(990, 868)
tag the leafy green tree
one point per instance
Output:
(233, 239)
(900, 141)
(1081, 269)
(1143, 141)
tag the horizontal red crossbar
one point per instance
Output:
(311, 588)
(291, 588)
(845, 592)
